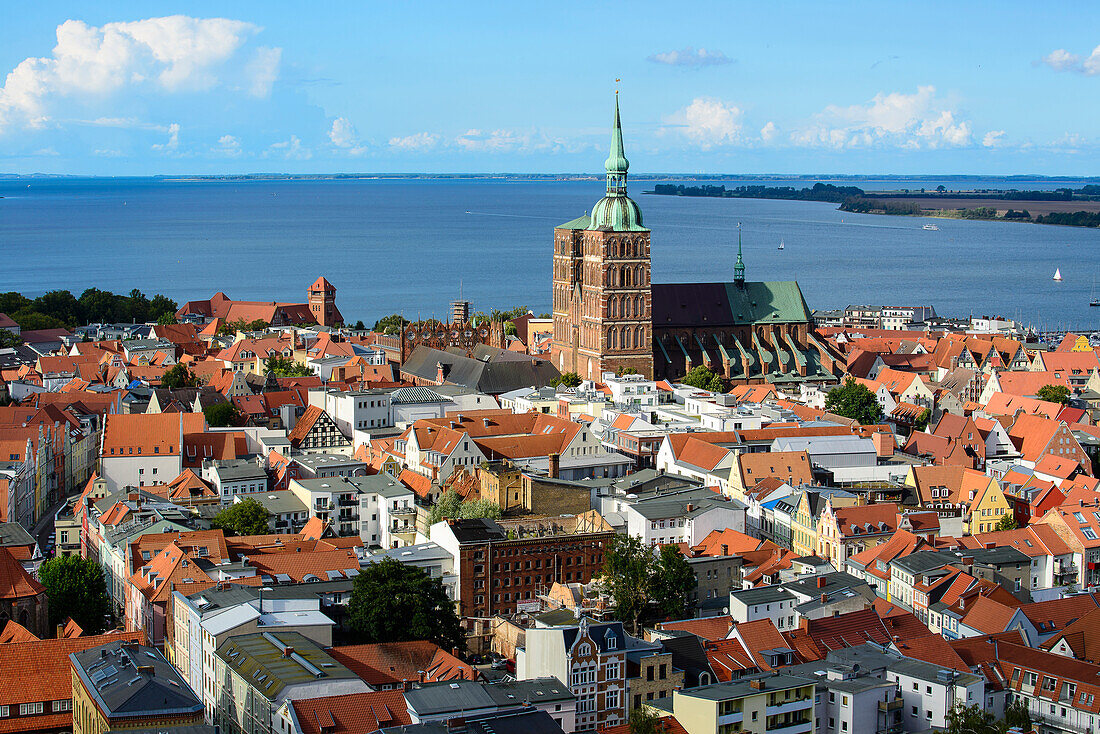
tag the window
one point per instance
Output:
(26, 709)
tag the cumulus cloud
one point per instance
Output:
(228, 146)
(769, 132)
(993, 139)
(173, 142)
(343, 135)
(913, 121)
(690, 57)
(291, 149)
(1062, 60)
(166, 55)
(708, 122)
(415, 142)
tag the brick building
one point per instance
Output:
(500, 572)
(608, 316)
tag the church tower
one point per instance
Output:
(322, 303)
(602, 302)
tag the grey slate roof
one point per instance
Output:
(490, 371)
(111, 674)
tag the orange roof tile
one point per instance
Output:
(386, 663)
(707, 628)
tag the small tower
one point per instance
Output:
(739, 266)
(322, 303)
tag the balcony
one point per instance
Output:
(786, 707)
(733, 718)
(801, 727)
(322, 505)
(894, 705)
(404, 511)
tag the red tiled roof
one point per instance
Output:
(352, 713)
(386, 663)
(706, 628)
(40, 671)
(15, 582)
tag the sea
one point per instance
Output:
(412, 245)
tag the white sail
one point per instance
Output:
(1057, 273)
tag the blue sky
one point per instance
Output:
(129, 88)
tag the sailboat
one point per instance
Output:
(780, 245)
(1093, 300)
(1057, 273)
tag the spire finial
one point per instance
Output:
(616, 163)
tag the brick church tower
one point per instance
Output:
(322, 303)
(602, 301)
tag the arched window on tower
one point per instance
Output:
(627, 277)
(639, 306)
(626, 307)
(640, 278)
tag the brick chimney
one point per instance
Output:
(757, 684)
(554, 465)
(821, 582)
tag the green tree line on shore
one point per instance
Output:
(818, 192)
(61, 309)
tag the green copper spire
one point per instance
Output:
(615, 211)
(739, 266)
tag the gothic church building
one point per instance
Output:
(609, 317)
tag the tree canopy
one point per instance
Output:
(450, 504)
(1053, 394)
(61, 309)
(643, 721)
(76, 588)
(1007, 522)
(569, 379)
(177, 376)
(703, 378)
(853, 400)
(390, 324)
(396, 602)
(247, 517)
(283, 367)
(232, 327)
(220, 415)
(643, 583)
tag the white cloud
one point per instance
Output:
(903, 120)
(708, 122)
(168, 55)
(1062, 60)
(291, 149)
(263, 70)
(496, 141)
(691, 57)
(769, 132)
(993, 139)
(229, 146)
(343, 135)
(107, 153)
(416, 142)
(173, 142)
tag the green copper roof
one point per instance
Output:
(615, 211)
(727, 304)
(616, 160)
(580, 222)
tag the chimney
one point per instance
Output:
(725, 549)
(824, 598)
(689, 507)
(803, 624)
(757, 684)
(60, 631)
(554, 461)
(288, 651)
(821, 582)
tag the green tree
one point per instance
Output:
(100, 306)
(138, 306)
(391, 324)
(33, 320)
(853, 400)
(60, 305)
(1053, 394)
(283, 367)
(922, 420)
(395, 602)
(247, 517)
(1017, 716)
(76, 588)
(703, 378)
(971, 720)
(220, 415)
(8, 339)
(622, 370)
(509, 328)
(233, 327)
(569, 379)
(451, 505)
(166, 319)
(671, 581)
(643, 721)
(1007, 522)
(12, 302)
(177, 376)
(161, 307)
(627, 571)
(359, 325)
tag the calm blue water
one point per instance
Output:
(406, 246)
